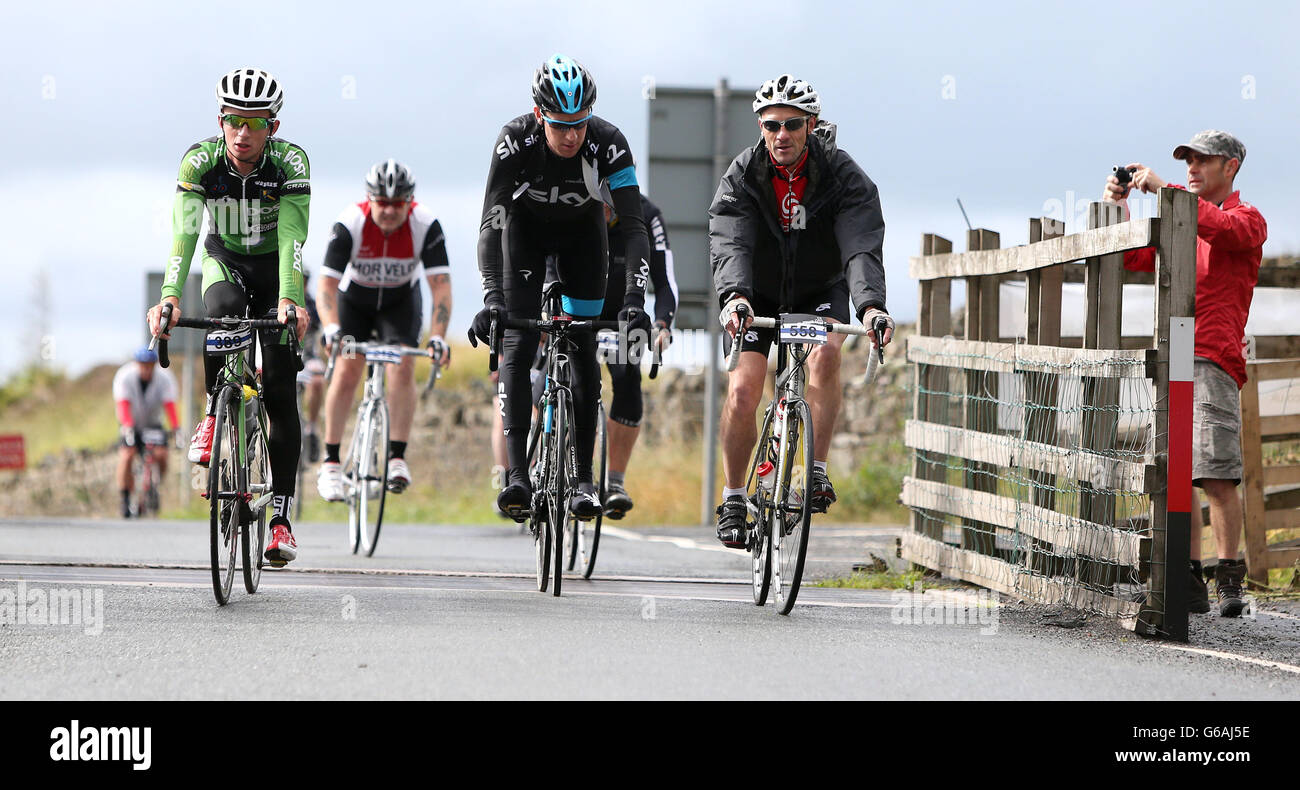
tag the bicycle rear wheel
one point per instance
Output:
(793, 514)
(225, 486)
(254, 528)
(589, 536)
(759, 503)
(372, 478)
(541, 458)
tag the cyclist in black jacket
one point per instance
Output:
(625, 408)
(543, 198)
(795, 226)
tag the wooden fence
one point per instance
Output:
(1056, 541)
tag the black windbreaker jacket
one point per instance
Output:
(842, 237)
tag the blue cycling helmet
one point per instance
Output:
(146, 354)
(563, 85)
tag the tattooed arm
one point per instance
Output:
(440, 290)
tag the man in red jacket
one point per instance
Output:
(1229, 246)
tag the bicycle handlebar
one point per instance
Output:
(229, 322)
(548, 325)
(877, 329)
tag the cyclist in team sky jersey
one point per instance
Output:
(796, 226)
(141, 391)
(257, 192)
(543, 198)
(371, 283)
(625, 408)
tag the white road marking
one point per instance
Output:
(1234, 657)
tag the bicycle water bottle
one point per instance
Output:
(766, 477)
(250, 405)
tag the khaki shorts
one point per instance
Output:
(1216, 424)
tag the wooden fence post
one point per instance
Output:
(934, 319)
(982, 313)
(1255, 529)
(1043, 328)
(1165, 610)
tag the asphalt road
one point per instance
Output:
(452, 612)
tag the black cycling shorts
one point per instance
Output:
(393, 318)
(831, 303)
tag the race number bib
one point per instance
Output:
(798, 328)
(607, 346)
(386, 356)
(226, 341)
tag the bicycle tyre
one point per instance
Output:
(792, 518)
(761, 508)
(224, 478)
(374, 475)
(350, 488)
(542, 451)
(254, 529)
(588, 555)
(564, 480)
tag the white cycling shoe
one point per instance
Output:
(399, 476)
(329, 481)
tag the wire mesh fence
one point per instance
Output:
(1038, 463)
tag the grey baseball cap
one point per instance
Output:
(1213, 142)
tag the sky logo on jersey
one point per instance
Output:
(507, 147)
(554, 196)
(641, 274)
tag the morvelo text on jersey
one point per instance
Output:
(261, 214)
(359, 254)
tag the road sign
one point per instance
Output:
(690, 146)
(12, 453)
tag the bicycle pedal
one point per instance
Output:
(614, 514)
(396, 488)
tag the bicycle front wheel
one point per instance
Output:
(565, 478)
(793, 512)
(225, 489)
(760, 508)
(254, 528)
(372, 476)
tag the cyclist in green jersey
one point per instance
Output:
(256, 190)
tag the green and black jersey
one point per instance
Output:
(261, 217)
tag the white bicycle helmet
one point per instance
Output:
(390, 179)
(786, 91)
(250, 89)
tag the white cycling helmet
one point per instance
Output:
(250, 89)
(390, 179)
(786, 91)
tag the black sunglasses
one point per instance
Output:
(792, 124)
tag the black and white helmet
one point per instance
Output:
(390, 179)
(250, 89)
(786, 91)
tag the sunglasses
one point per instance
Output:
(238, 121)
(389, 202)
(791, 124)
(578, 124)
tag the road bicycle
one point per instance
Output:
(780, 480)
(365, 466)
(553, 471)
(144, 470)
(239, 468)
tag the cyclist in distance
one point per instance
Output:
(543, 197)
(257, 191)
(141, 390)
(626, 409)
(370, 282)
(796, 227)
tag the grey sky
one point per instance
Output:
(103, 100)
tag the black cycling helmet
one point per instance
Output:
(390, 179)
(563, 85)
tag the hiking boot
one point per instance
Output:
(1227, 583)
(1198, 595)
(733, 530)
